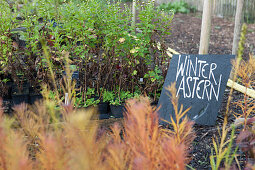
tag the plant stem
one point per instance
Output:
(47, 56)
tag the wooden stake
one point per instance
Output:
(238, 25)
(237, 30)
(66, 99)
(134, 13)
(206, 27)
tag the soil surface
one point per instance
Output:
(186, 29)
(185, 39)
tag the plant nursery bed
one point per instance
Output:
(113, 71)
(201, 149)
(185, 38)
(202, 144)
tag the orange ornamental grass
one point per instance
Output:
(73, 146)
(146, 145)
(182, 126)
(246, 73)
(76, 143)
(13, 151)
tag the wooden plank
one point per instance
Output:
(240, 88)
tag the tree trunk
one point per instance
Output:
(206, 27)
(238, 25)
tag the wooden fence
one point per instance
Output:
(223, 8)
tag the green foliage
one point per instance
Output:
(156, 80)
(242, 42)
(154, 75)
(90, 92)
(6, 17)
(97, 37)
(115, 98)
(87, 99)
(108, 96)
(137, 92)
(91, 102)
(177, 7)
(111, 97)
(223, 150)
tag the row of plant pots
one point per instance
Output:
(105, 110)
(24, 93)
(110, 103)
(21, 93)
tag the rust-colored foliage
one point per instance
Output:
(77, 142)
(146, 145)
(52, 153)
(182, 127)
(13, 151)
(246, 139)
(246, 74)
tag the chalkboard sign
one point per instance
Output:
(200, 83)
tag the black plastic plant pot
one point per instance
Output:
(104, 116)
(18, 99)
(117, 110)
(103, 108)
(154, 103)
(20, 94)
(34, 94)
(75, 76)
(8, 91)
(34, 97)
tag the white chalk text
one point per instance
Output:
(197, 79)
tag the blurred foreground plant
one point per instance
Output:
(77, 142)
(223, 148)
(144, 144)
(13, 151)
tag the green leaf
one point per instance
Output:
(134, 73)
